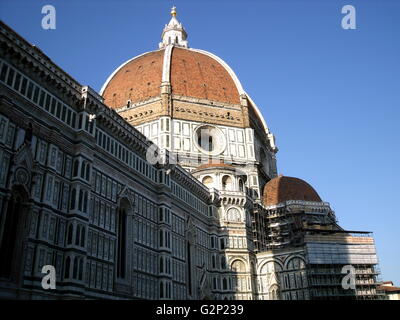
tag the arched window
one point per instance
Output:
(270, 267)
(241, 186)
(83, 237)
(208, 181)
(234, 215)
(67, 267)
(10, 234)
(238, 266)
(69, 234)
(161, 289)
(295, 264)
(226, 183)
(213, 261)
(168, 238)
(255, 194)
(122, 217)
(80, 268)
(88, 172)
(222, 243)
(161, 264)
(75, 271)
(83, 169)
(85, 202)
(223, 263)
(274, 292)
(73, 199)
(78, 235)
(80, 203)
(76, 168)
(189, 266)
(224, 284)
(161, 238)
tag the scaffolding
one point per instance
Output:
(329, 253)
(327, 248)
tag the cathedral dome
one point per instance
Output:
(181, 83)
(192, 73)
(281, 189)
(136, 80)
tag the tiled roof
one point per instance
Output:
(192, 74)
(281, 189)
(137, 80)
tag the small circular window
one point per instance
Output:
(209, 139)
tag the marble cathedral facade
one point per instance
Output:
(210, 219)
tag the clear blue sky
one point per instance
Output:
(331, 96)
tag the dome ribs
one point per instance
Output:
(192, 74)
(142, 75)
(204, 76)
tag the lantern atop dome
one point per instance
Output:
(173, 33)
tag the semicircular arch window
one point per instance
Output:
(234, 215)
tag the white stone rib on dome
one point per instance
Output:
(258, 112)
(166, 73)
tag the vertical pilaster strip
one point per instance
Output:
(166, 82)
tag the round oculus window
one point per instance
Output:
(209, 140)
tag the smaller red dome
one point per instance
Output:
(281, 189)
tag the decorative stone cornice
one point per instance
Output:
(32, 58)
(191, 183)
(299, 203)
